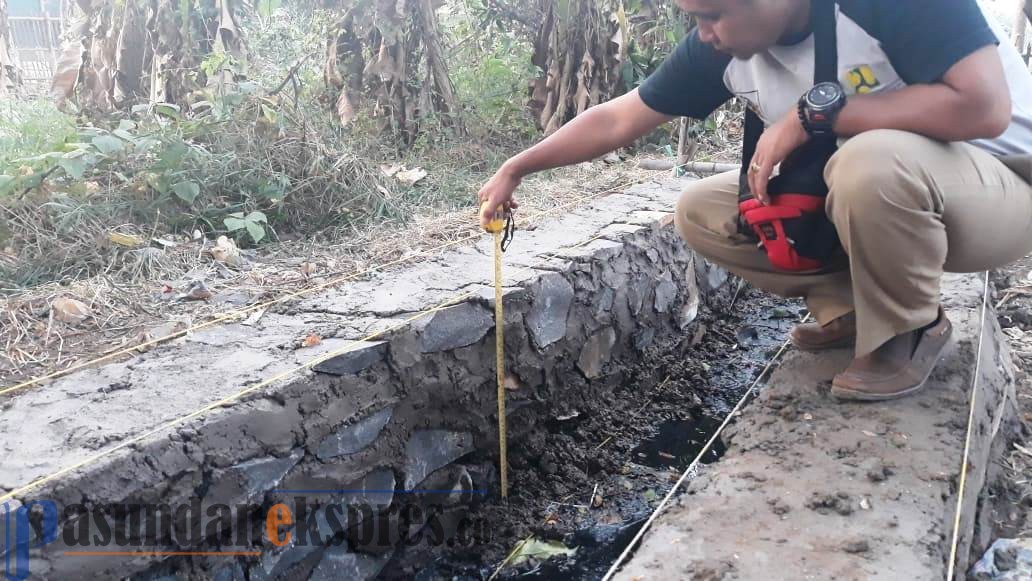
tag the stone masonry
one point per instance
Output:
(397, 412)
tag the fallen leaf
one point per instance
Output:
(167, 329)
(411, 176)
(596, 500)
(391, 170)
(311, 341)
(146, 338)
(254, 317)
(127, 240)
(69, 310)
(307, 268)
(226, 252)
(540, 550)
(198, 291)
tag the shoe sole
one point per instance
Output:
(840, 344)
(846, 394)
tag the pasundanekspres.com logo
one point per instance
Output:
(122, 530)
(18, 534)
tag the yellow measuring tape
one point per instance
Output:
(501, 226)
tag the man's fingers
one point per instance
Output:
(759, 176)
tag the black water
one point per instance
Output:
(678, 442)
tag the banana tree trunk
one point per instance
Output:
(384, 59)
(580, 49)
(121, 52)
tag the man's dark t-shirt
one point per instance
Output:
(883, 45)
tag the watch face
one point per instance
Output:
(823, 95)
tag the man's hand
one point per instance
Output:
(498, 191)
(597, 131)
(774, 145)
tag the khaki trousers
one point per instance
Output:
(907, 208)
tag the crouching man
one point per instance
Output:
(931, 112)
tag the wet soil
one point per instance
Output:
(590, 481)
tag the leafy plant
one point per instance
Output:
(254, 224)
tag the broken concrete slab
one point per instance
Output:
(820, 489)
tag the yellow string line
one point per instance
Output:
(951, 565)
(236, 396)
(290, 296)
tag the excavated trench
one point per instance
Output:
(375, 456)
(381, 441)
(585, 485)
(583, 478)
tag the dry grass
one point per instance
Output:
(149, 302)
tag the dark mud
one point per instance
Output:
(591, 480)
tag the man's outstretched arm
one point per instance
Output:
(593, 133)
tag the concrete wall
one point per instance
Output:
(400, 412)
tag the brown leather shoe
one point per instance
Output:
(812, 337)
(898, 368)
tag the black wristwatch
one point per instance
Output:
(820, 106)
